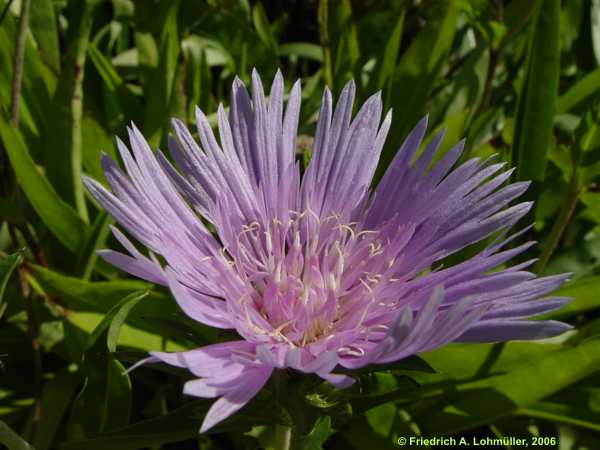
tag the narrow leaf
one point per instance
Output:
(562, 413)
(43, 25)
(11, 439)
(63, 152)
(101, 296)
(7, 266)
(579, 92)
(119, 317)
(302, 50)
(160, 86)
(59, 217)
(485, 400)
(415, 74)
(105, 400)
(534, 122)
(86, 258)
(263, 29)
(56, 398)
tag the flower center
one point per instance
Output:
(309, 277)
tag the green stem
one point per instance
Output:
(80, 52)
(561, 224)
(323, 20)
(283, 437)
(15, 93)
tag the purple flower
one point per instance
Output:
(315, 270)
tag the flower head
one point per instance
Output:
(314, 270)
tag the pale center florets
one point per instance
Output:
(310, 277)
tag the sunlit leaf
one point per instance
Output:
(534, 125)
(520, 385)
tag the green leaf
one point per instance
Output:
(116, 88)
(42, 22)
(325, 41)
(101, 296)
(584, 294)
(263, 29)
(63, 149)
(416, 72)
(96, 140)
(412, 363)
(585, 88)
(562, 413)
(38, 83)
(118, 318)
(117, 313)
(105, 400)
(464, 92)
(174, 426)
(86, 257)
(198, 78)
(301, 50)
(521, 385)
(317, 436)
(58, 216)
(11, 439)
(56, 398)
(360, 435)
(344, 43)
(7, 266)
(535, 116)
(386, 62)
(160, 86)
(177, 425)
(586, 147)
(82, 295)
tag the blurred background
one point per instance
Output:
(518, 79)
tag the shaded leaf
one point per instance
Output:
(63, 139)
(562, 413)
(301, 50)
(160, 86)
(263, 29)
(415, 73)
(58, 216)
(56, 397)
(386, 63)
(86, 257)
(42, 22)
(7, 266)
(104, 402)
(11, 439)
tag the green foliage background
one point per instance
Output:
(518, 78)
